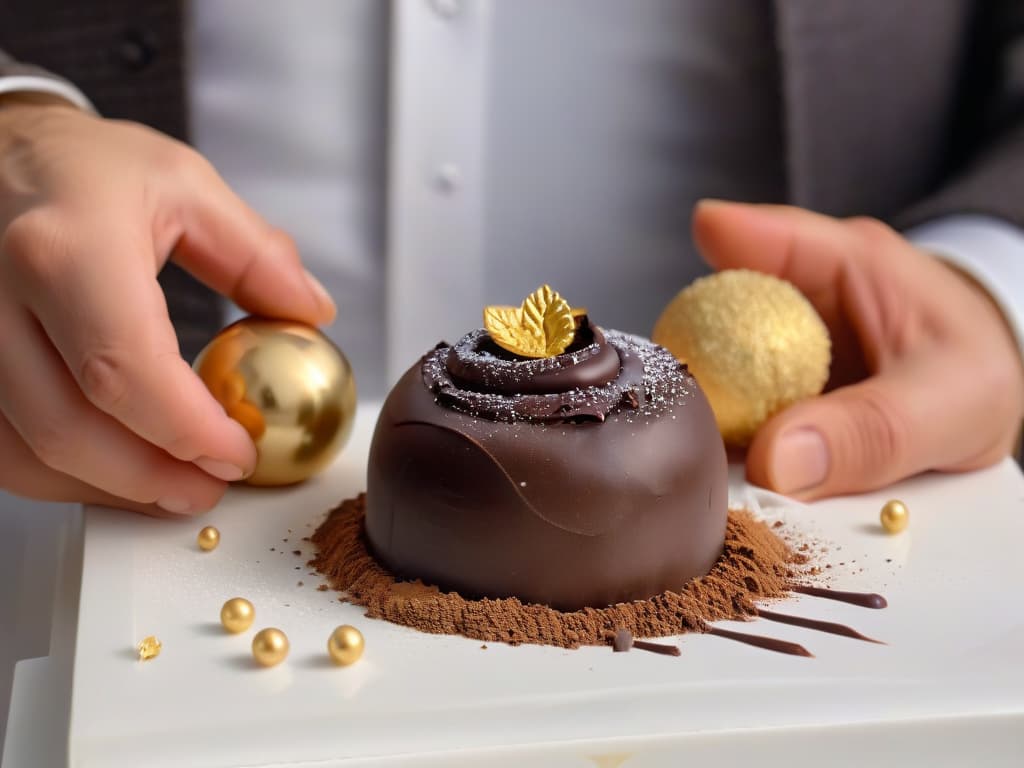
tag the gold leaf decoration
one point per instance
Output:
(543, 326)
(503, 323)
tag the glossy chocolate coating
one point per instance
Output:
(613, 491)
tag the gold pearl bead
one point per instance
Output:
(208, 538)
(270, 647)
(895, 516)
(237, 615)
(345, 645)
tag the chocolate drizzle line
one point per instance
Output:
(862, 599)
(663, 648)
(768, 643)
(622, 641)
(822, 626)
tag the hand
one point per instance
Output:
(926, 374)
(96, 404)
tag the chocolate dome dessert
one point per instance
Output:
(591, 475)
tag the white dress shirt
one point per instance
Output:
(526, 142)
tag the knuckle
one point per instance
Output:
(17, 463)
(180, 445)
(870, 442)
(878, 436)
(31, 244)
(208, 495)
(19, 237)
(870, 228)
(284, 245)
(151, 479)
(179, 160)
(103, 378)
(18, 476)
(51, 441)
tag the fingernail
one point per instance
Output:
(222, 469)
(323, 298)
(799, 461)
(174, 505)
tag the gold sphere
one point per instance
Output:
(345, 645)
(208, 538)
(291, 389)
(752, 341)
(895, 516)
(270, 647)
(237, 615)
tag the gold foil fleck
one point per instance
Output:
(149, 648)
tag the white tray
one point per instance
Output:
(947, 689)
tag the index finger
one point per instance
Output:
(105, 313)
(808, 249)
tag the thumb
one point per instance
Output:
(235, 252)
(856, 438)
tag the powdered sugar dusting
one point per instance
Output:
(650, 383)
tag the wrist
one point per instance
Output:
(22, 113)
(33, 100)
(979, 290)
(20, 106)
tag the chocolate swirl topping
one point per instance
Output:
(599, 374)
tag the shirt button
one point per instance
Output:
(447, 178)
(446, 8)
(135, 50)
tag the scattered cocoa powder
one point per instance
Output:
(755, 565)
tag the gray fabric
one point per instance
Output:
(126, 55)
(907, 110)
(870, 94)
(988, 174)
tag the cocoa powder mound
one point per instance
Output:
(755, 565)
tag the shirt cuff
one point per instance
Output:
(988, 249)
(36, 84)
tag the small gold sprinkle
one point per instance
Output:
(270, 647)
(345, 645)
(237, 615)
(149, 648)
(895, 516)
(208, 538)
